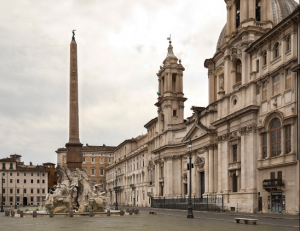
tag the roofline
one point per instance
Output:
(271, 31)
(150, 122)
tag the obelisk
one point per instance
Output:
(74, 154)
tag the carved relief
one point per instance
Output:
(235, 53)
(248, 129)
(200, 162)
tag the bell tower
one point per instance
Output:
(170, 88)
(244, 13)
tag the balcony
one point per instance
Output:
(234, 165)
(270, 184)
(132, 186)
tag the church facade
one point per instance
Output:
(244, 143)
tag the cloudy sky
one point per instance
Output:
(121, 45)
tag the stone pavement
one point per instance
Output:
(164, 220)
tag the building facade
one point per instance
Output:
(127, 176)
(52, 179)
(95, 160)
(244, 143)
(22, 184)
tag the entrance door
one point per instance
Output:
(259, 203)
(202, 184)
(276, 198)
(161, 189)
(24, 201)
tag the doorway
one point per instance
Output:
(202, 184)
(259, 203)
(24, 201)
(276, 198)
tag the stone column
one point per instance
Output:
(194, 178)
(243, 164)
(211, 169)
(228, 27)
(225, 165)
(177, 82)
(283, 148)
(293, 138)
(206, 174)
(252, 7)
(233, 15)
(74, 154)
(220, 174)
(180, 83)
(156, 192)
(216, 166)
(168, 177)
(268, 144)
(244, 10)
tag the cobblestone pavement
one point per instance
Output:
(163, 220)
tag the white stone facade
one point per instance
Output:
(244, 143)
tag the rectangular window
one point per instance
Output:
(10, 174)
(288, 135)
(38, 199)
(109, 160)
(11, 190)
(11, 166)
(101, 171)
(38, 191)
(288, 79)
(38, 181)
(234, 153)
(279, 175)
(83, 160)
(276, 84)
(18, 199)
(38, 174)
(18, 181)
(31, 181)
(31, 190)
(24, 190)
(24, 173)
(3, 190)
(43, 181)
(43, 190)
(31, 199)
(264, 142)
(17, 174)
(101, 160)
(24, 181)
(10, 180)
(272, 175)
(93, 171)
(257, 65)
(10, 199)
(18, 191)
(3, 166)
(43, 174)
(264, 92)
(174, 112)
(32, 174)
(93, 160)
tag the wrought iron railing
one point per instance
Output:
(209, 203)
(272, 183)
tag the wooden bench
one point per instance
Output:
(154, 213)
(246, 220)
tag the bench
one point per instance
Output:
(246, 220)
(151, 212)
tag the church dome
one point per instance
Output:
(280, 10)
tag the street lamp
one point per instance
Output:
(189, 167)
(2, 192)
(116, 208)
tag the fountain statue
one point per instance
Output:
(74, 192)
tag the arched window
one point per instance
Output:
(257, 11)
(264, 58)
(288, 43)
(276, 50)
(238, 14)
(275, 137)
(238, 71)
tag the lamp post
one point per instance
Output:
(189, 167)
(2, 192)
(116, 207)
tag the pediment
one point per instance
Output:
(194, 132)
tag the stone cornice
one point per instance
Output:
(248, 109)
